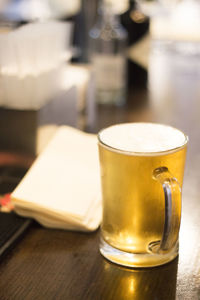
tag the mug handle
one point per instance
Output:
(172, 192)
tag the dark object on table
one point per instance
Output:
(12, 226)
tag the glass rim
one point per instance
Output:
(141, 153)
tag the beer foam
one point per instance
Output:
(142, 137)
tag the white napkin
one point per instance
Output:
(62, 188)
(32, 61)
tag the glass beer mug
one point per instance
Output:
(142, 168)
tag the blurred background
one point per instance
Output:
(70, 62)
(93, 63)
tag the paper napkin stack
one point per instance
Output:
(62, 188)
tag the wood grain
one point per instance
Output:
(53, 264)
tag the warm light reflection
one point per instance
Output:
(129, 240)
(140, 284)
(137, 16)
(131, 284)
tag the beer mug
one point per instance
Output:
(142, 168)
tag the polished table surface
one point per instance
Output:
(56, 264)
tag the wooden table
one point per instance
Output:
(55, 264)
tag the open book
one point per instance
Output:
(62, 187)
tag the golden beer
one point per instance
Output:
(134, 201)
